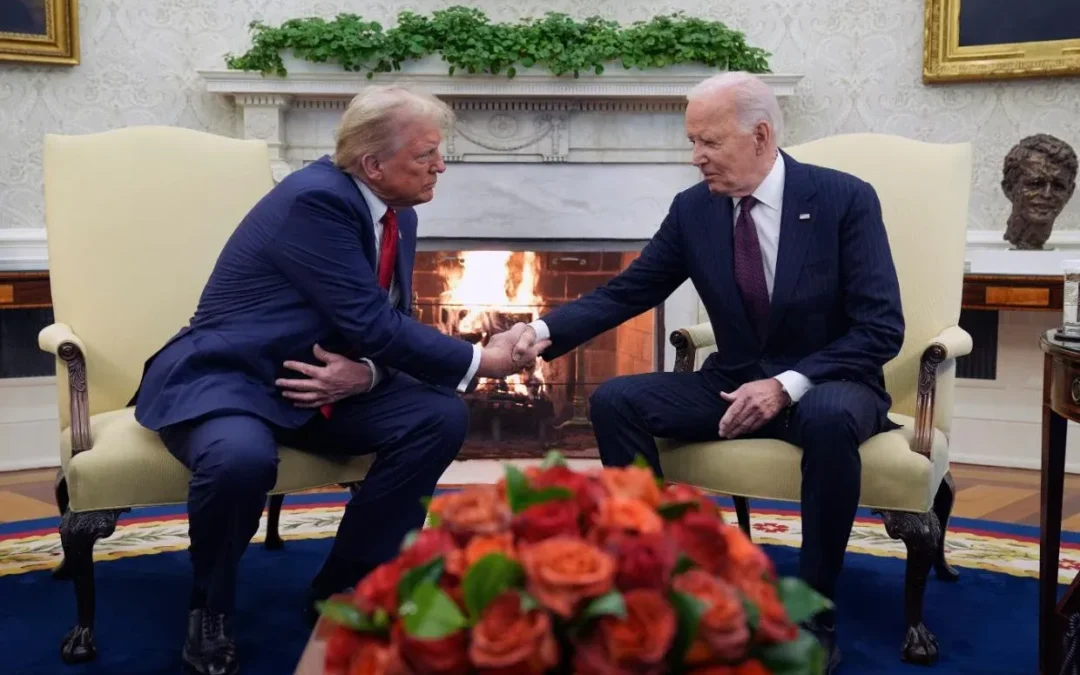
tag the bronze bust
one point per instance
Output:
(1039, 179)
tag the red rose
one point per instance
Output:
(588, 490)
(637, 644)
(341, 645)
(445, 656)
(379, 589)
(702, 538)
(431, 542)
(508, 641)
(774, 626)
(550, 519)
(642, 561)
(680, 493)
(751, 667)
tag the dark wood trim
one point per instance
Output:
(1014, 292)
(24, 290)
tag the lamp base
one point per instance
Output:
(1068, 333)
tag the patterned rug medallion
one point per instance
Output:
(985, 623)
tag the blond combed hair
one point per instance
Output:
(373, 121)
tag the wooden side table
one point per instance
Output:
(1061, 404)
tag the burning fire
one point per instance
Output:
(488, 292)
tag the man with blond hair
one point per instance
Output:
(793, 266)
(303, 336)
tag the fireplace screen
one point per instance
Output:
(474, 294)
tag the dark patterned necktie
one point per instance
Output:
(750, 268)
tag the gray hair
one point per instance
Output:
(372, 123)
(754, 100)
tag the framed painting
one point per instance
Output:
(39, 31)
(972, 40)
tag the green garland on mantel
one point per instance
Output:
(469, 42)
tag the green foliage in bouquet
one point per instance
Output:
(468, 41)
(606, 572)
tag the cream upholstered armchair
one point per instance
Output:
(924, 190)
(135, 220)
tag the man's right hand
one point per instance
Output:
(510, 352)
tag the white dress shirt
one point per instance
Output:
(378, 209)
(766, 215)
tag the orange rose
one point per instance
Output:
(508, 641)
(446, 656)
(559, 517)
(636, 644)
(478, 547)
(774, 625)
(702, 538)
(633, 482)
(745, 560)
(562, 571)
(622, 514)
(477, 509)
(723, 632)
(752, 667)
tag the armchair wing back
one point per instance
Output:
(924, 189)
(135, 220)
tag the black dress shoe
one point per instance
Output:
(209, 648)
(825, 632)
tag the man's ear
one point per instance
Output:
(370, 166)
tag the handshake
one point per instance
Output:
(510, 352)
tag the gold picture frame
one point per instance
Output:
(946, 60)
(40, 31)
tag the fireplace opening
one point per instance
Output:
(473, 294)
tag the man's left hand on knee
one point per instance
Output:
(752, 406)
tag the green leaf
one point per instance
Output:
(609, 604)
(675, 510)
(688, 612)
(552, 459)
(800, 600)
(488, 578)
(683, 564)
(528, 602)
(345, 614)
(430, 613)
(803, 656)
(753, 615)
(642, 463)
(430, 571)
(521, 495)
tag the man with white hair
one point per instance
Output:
(321, 267)
(793, 266)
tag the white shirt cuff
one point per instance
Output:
(795, 384)
(542, 330)
(473, 367)
(376, 374)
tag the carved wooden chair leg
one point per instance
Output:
(921, 533)
(78, 534)
(943, 506)
(273, 541)
(60, 572)
(742, 512)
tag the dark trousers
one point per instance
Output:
(415, 431)
(829, 423)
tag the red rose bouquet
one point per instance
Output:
(595, 573)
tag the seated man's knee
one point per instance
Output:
(449, 417)
(237, 464)
(609, 398)
(832, 421)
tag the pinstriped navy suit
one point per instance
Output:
(835, 317)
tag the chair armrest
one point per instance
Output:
(59, 340)
(687, 341)
(951, 343)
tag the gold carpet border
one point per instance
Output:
(995, 552)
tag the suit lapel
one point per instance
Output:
(796, 232)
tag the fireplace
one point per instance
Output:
(473, 294)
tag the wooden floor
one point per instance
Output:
(1003, 495)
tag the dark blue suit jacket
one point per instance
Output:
(835, 313)
(298, 270)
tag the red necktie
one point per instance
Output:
(387, 256)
